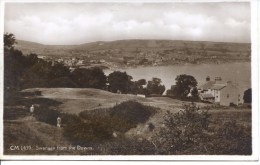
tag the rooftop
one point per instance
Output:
(218, 86)
(207, 85)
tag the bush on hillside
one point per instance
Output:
(229, 138)
(183, 129)
(80, 132)
(233, 139)
(193, 131)
(110, 123)
(15, 113)
(99, 125)
(20, 107)
(46, 115)
(132, 112)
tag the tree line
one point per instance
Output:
(28, 71)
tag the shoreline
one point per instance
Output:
(172, 65)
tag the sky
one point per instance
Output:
(77, 23)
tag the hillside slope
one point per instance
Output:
(75, 100)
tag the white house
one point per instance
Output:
(220, 93)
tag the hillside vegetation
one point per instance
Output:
(129, 127)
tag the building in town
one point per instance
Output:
(220, 93)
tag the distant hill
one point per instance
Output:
(130, 45)
(133, 53)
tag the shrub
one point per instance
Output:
(182, 129)
(99, 125)
(15, 113)
(103, 117)
(20, 108)
(192, 131)
(46, 115)
(81, 132)
(230, 138)
(132, 112)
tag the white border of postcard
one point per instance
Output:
(255, 62)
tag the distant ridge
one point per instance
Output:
(132, 46)
(24, 42)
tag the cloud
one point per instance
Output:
(68, 23)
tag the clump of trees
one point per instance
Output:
(154, 87)
(119, 82)
(186, 87)
(29, 71)
(89, 78)
(138, 87)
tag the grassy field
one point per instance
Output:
(21, 129)
(76, 100)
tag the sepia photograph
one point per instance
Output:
(127, 79)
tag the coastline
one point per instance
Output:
(174, 65)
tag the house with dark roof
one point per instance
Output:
(219, 93)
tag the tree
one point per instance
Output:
(194, 93)
(13, 69)
(37, 75)
(17, 66)
(89, 78)
(184, 84)
(9, 41)
(137, 87)
(155, 87)
(141, 82)
(58, 70)
(29, 71)
(31, 59)
(248, 96)
(171, 92)
(119, 81)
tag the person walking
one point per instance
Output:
(32, 109)
(58, 122)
